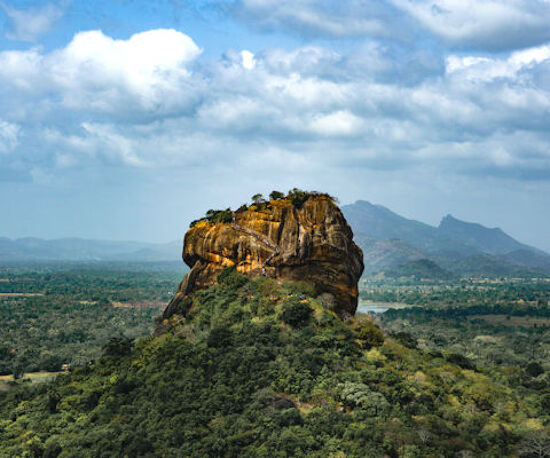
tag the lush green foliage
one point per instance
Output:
(276, 195)
(501, 328)
(56, 315)
(215, 216)
(296, 314)
(518, 295)
(235, 379)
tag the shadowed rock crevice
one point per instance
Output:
(313, 243)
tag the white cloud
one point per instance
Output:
(29, 24)
(248, 61)
(339, 123)
(149, 102)
(487, 24)
(487, 68)
(94, 71)
(482, 24)
(9, 134)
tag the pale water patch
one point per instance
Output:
(379, 307)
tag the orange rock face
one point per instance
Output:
(313, 243)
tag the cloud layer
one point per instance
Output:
(151, 101)
(398, 101)
(483, 24)
(479, 24)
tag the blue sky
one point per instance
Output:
(128, 119)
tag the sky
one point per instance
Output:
(127, 119)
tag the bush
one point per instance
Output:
(230, 277)
(276, 195)
(183, 306)
(298, 197)
(118, 347)
(534, 369)
(460, 361)
(366, 331)
(406, 339)
(300, 288)
(297, 314)
(219, 337)
(215, 216)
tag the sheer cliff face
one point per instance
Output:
(312, 243)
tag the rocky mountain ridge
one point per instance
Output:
(278, 239)
(392, 240)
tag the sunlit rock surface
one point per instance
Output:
(313, 243)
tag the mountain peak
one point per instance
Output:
(449, 221)
(453, 239)
(484, 239)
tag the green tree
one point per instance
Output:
(276, 195)
(258, 199)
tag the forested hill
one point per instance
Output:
(454, 245)
(259, 368)
(32, 249)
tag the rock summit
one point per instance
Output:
(286, 240)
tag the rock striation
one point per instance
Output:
(278, 239)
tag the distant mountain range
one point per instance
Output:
(389, 240)
(391, 244)
(74, 249)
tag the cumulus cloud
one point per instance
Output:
(248, 61)
(96, 72)
(29, 24)
(151, 102)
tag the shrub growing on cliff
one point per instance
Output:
(366, 331)
(215, 216)
(298, 197)
(276, 195)
(231, 278)
(258, 199)
(117, 347)
(296, 314)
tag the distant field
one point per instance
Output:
(32, 377)
(40, 376)
(139, 304)
(20, 294)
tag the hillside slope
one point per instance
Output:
(381, 254)
(262, 369)
(455, 245)
(486, 240)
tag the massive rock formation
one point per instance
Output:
(311, 243)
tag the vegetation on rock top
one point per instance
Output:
(295, 196)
